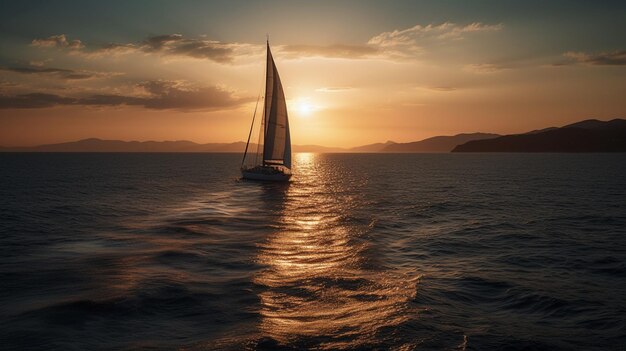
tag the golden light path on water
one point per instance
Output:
(323, 286)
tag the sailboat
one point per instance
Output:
(272, 160)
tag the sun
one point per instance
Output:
(304, 107)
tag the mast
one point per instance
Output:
(267, 88)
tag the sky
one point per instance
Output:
(354, 72)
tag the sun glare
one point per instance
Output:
(304, 107)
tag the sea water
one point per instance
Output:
(358, 251)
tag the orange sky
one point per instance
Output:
(401, 80)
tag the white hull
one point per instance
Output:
(276, 177)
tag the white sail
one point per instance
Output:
(272, 161)
(277, 141)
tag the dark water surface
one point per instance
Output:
(403, 252)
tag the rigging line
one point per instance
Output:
(258, 144)
(251, 127)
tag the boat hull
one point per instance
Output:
(274, 177)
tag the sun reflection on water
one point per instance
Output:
(321, 286)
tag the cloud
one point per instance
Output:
(39, 63)
(329, 51)
(614, 58)
(163, 95)
(172, 45)
(57, 72)
(442, 89)
(157, 95)
(111, 49)
(411, 41)
(486, 68)
(179, 95)
(34, 100)
(397, 44)
(444, 31)
(58, 41)
(333, 89)
(158, 42)
(177, 45)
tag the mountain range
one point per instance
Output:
(435, 144)
(585, 136)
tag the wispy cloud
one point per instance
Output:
(396, 44)
(442, 88)
(414, 40)
(111, 50)
(172, 45)
(333, 89)
(486, 67)
(329, 51)
(158, 95)
(58, 72)
(399, 44)
(614, 58)
(58, 41)
(177, 45)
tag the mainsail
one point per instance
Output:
(277, 142)
(272, 161)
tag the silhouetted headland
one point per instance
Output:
(438, 143)
(585, 136)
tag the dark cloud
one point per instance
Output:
(173, 95)
(203, 50)
(158, 42)
(331, 51)
(167, 45)
(34, 100)
(177, 45)
(160, 95)
(57, 72)
(112, 100)
(615, 58)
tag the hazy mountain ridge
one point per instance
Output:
(438, 143)
(100, 145)
(585, 136)
(376, 147)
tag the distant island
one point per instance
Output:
(585, 136)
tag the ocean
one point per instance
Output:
(359, 251)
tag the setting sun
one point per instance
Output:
(304, 107)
